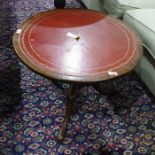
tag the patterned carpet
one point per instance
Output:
(31, 107)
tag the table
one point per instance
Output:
(77, 46)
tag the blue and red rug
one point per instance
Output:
(32, 107)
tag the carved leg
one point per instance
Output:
(69, 107)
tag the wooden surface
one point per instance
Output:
(106, 47)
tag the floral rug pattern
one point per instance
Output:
(32, 107)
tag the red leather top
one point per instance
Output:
(106, 47)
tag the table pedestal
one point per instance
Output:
(69, 108)
(74, 88)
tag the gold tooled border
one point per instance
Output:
(87, 79)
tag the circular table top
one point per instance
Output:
(77, 45)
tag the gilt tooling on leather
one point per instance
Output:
(104, 43)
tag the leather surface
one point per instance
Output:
(105, 44)
(92, 4)
(138, 3)
(143, 21)
(118, 7)
(146, 72)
